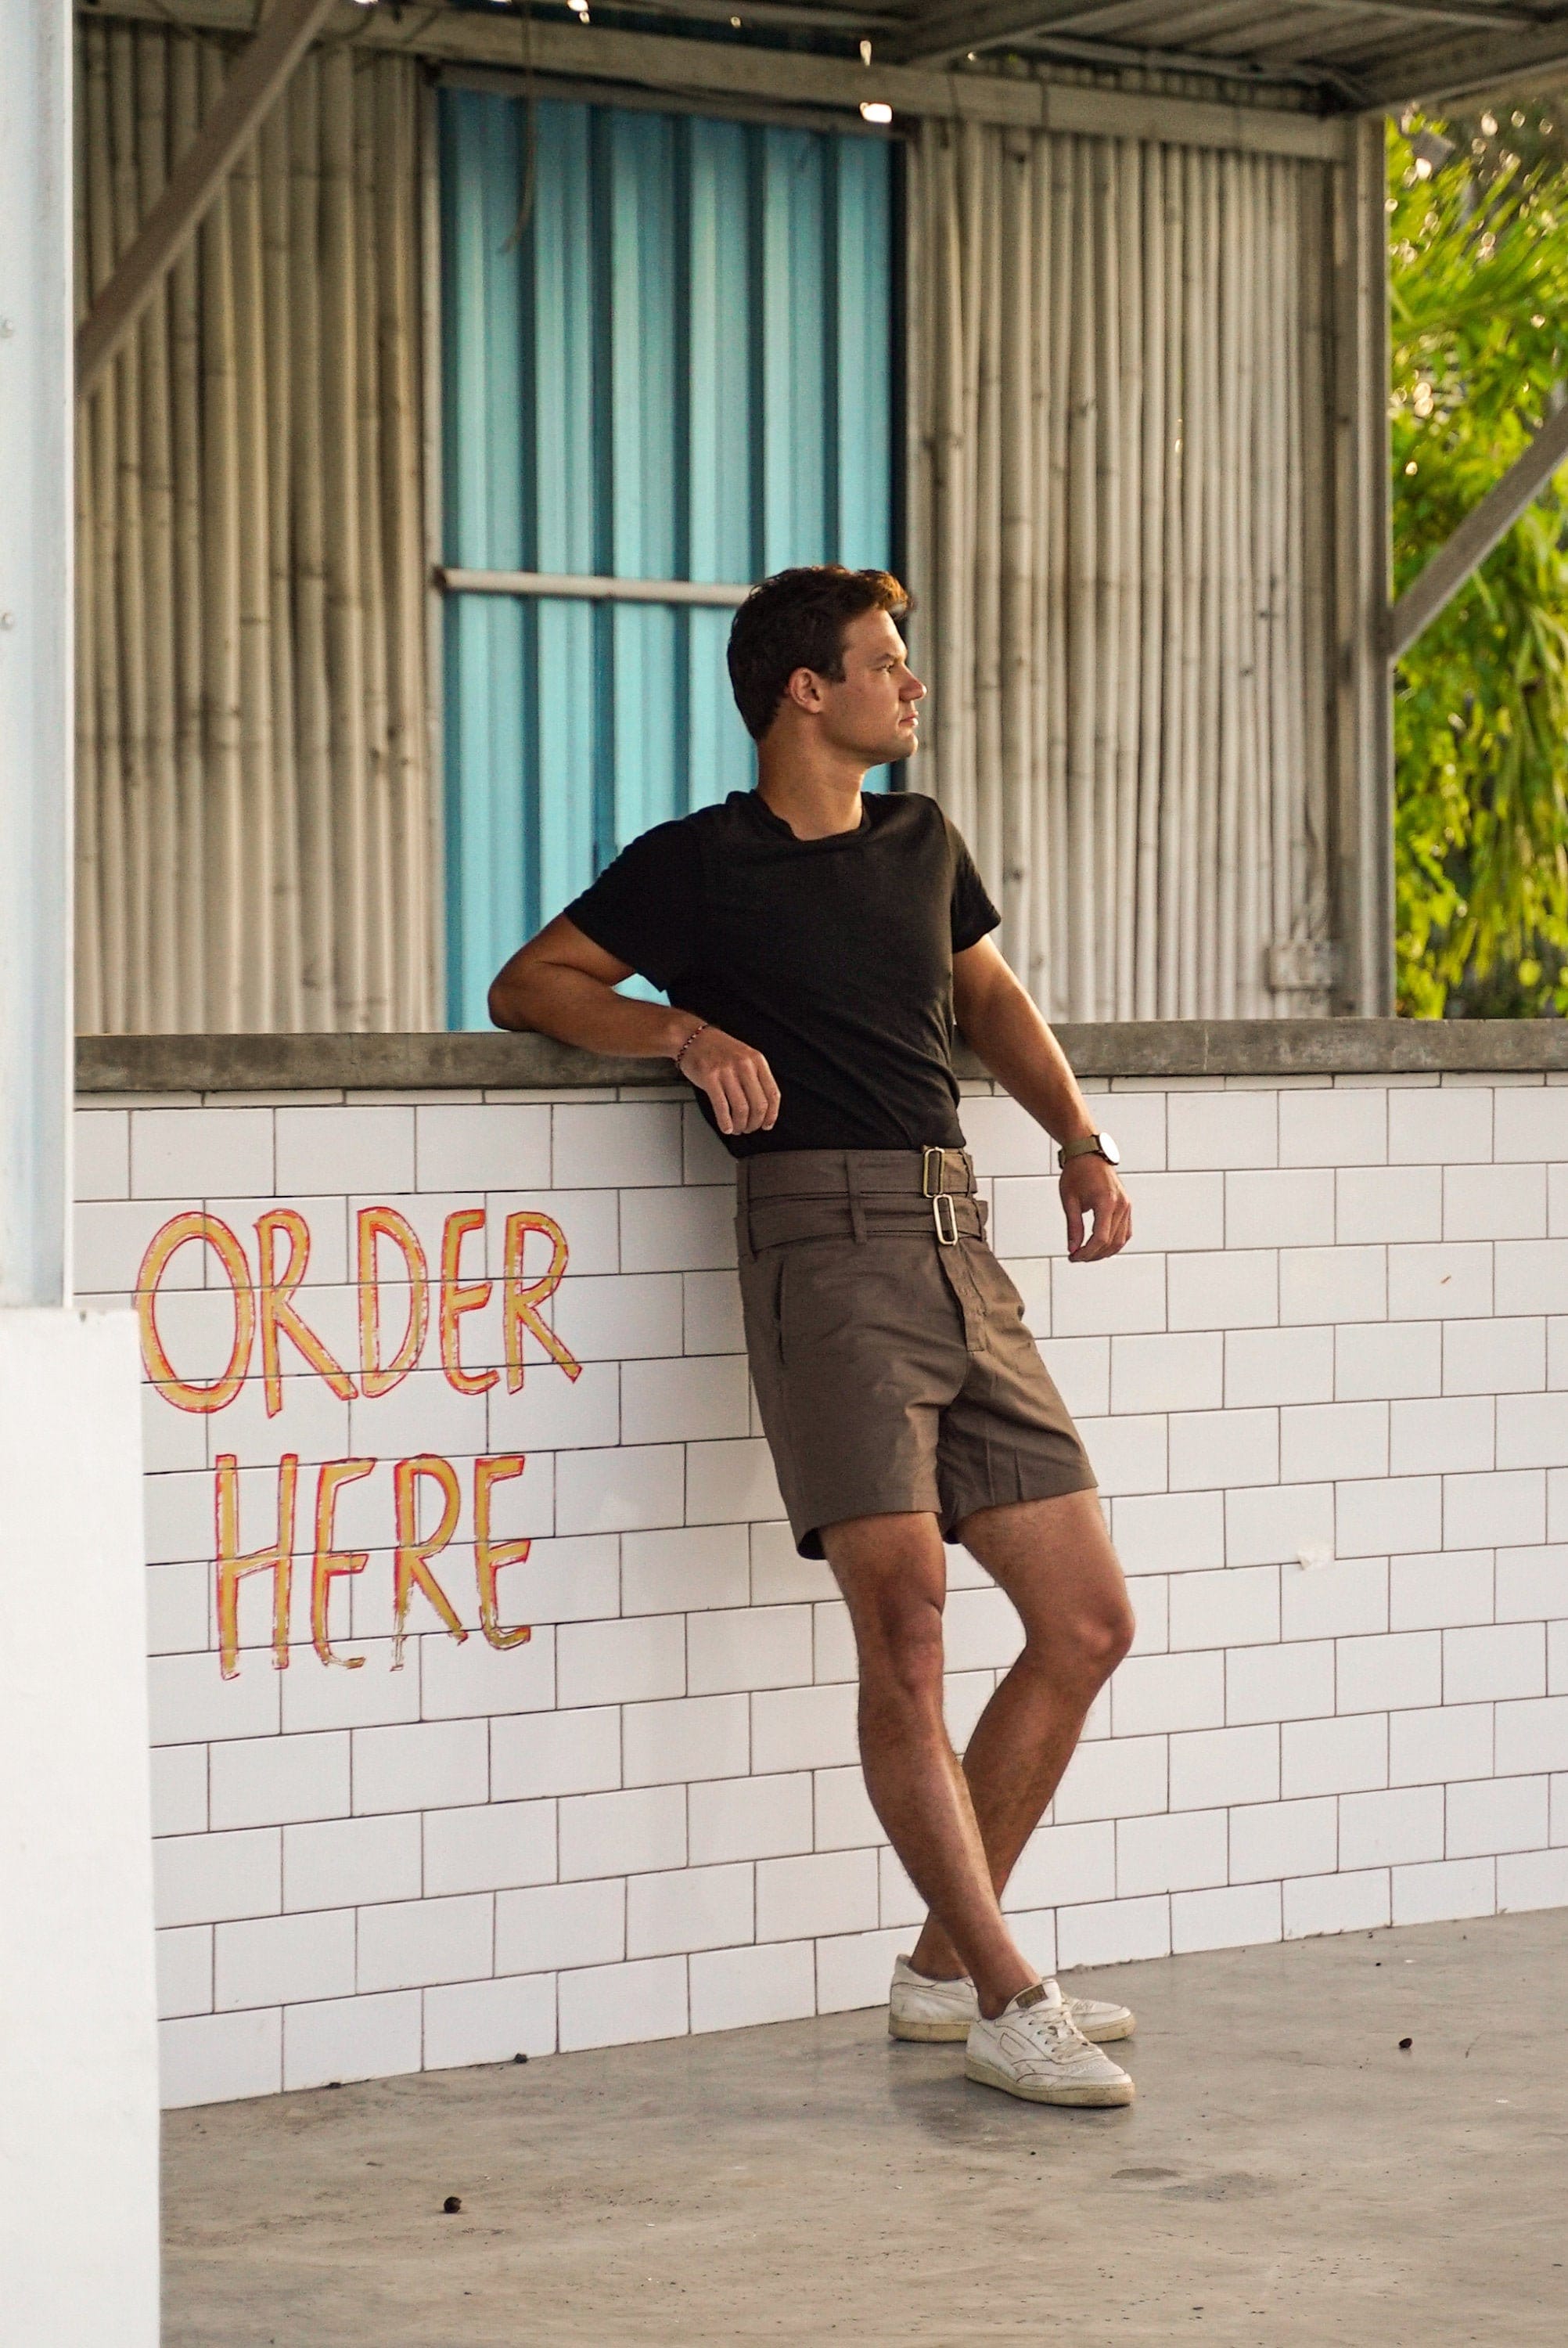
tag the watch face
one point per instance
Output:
(1108, 1149)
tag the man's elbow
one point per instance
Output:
(508, 1001)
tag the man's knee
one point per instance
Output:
(1101, 1634)
(891, 1573)
(899, 1637)
(1089, 1643)
(1104, 1634)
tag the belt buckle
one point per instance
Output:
(949, 1237)
(931, 1174)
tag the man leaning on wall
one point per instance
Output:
(818, 946)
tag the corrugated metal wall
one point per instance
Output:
(681, 368)
(257, 843)
(1121, 502)
(677, 368)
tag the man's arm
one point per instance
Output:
(562, 984)
(1002, 1024)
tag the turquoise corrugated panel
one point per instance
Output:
(677, 366)
(862, 327)
(557, 413)
(720, 447)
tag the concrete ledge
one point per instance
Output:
(1138, 1047)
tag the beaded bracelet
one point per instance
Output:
(690, 1040)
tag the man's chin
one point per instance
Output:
(904, 746)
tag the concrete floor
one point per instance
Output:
(1288, 2175)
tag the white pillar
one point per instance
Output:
(78, 2120)
(79, 2050)
(35, 718)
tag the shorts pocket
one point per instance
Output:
(762, 1280)
(828, 1297)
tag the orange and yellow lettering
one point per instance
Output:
(414, 1555)
(329, 1562)
(185, 1394)
(524, 1297)
(378, 1223)
(233, 1568)
(279, 1315)
(490, 1558)
(458, 1297)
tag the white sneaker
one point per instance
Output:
(1032, 2049)
(926, 2010)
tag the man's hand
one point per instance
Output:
(1089, 1187)
(562, 984)
(737, 1081)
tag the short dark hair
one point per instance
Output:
(795, 620)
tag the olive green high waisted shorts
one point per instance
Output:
(892, 1365)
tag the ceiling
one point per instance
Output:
(1350, 53)
(1369, 52)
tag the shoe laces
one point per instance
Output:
(1053, 2018)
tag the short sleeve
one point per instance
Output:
(973, 914)
(643, 907)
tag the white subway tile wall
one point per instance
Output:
(1326, 1394)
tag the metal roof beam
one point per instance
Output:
(939, 34)
(1470, 69)
(945, 30)
(723, 71)
(1078, 48)
(286, 34)
(1483, 529)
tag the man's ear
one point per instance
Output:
(805, 689)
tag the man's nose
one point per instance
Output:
(912, 689)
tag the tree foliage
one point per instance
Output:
(1480, 349)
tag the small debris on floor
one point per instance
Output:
(453, 2203)
(519, 2058)
(1406, 2043)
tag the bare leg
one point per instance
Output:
(893, 1574)
(1055, 1561)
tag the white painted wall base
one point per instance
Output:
(1325, 1392)
(79, 2081)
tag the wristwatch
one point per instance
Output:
(1097, 1144)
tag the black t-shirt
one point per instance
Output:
(834, 958)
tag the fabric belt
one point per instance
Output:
(822, 1193)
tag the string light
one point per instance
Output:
(873, 111)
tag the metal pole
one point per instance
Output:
(1364, 724)
(35, 649)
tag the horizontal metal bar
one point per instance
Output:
(724, 71)
(574, 588)
(810, 13)
(513, 82)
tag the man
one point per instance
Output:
(816, 947)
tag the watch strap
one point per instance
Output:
(1088, 1146)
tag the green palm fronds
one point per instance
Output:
(1480, 349)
